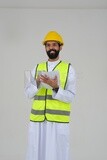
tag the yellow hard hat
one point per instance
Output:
(53, 36)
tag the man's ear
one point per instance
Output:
(60, 47)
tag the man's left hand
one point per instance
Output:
(52, 82)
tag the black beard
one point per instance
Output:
(53, 55)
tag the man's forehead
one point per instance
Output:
(51, 42)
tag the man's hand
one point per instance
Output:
(38, 81)
(52, 82)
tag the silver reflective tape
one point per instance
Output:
(37, 112)
(58, 112)
(49, 97)
(39, 97)
(43, 97)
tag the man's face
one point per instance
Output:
(52, 49)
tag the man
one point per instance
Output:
(48, 137)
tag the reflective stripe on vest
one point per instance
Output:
(44, 106)
(36, 97)
(42, 112)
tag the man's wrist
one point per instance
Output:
(56, 89)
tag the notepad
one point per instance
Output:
(50, 74)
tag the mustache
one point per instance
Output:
(52, 50)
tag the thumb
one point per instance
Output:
(55, 78)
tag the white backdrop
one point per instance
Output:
(85, 37)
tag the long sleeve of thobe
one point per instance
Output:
(31, 86)
(65, 95)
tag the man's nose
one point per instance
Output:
(51, 47)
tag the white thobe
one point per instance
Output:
(50, 140)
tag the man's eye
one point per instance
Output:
(53, 45)
(47, 45)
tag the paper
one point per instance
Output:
(51, 74)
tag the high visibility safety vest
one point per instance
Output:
(44, 107)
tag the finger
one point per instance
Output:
(44, 76)
(55, 77)
(43, 79)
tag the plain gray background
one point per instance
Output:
(85, 35)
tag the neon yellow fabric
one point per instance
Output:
(44, 106)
